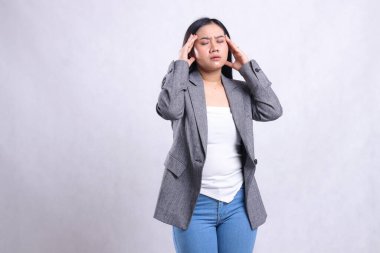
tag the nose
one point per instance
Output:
(214, 46)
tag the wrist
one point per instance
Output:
(244, 67)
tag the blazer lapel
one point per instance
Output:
(235, 100)
(198, 100)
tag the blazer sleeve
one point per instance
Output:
(264, 102)
(171, 100)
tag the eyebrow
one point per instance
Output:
(216, 37)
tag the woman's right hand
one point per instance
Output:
(185, 50)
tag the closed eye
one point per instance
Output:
(219, 41)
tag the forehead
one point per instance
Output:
(210, 30)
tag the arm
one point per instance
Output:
(171, 100)
(264, 102)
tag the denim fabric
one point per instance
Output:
(216, 227)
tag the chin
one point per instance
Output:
(212, 66)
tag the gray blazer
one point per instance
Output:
(182, 100)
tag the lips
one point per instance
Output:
(215, 58)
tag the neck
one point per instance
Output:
(211, 76)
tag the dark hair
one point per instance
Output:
(193, 28)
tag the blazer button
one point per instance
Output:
(257, 69)
(255, 161)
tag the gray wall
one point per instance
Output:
(82, 148)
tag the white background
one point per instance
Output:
(82, 148)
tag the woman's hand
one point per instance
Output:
(240, 57)
(185, 50)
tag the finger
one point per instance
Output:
(234, 47)
(191, 60)
(190, 43)
(186, 45)
(229, 40)
(191, 47)
(228, 63)
(191, 39)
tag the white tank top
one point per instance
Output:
(222, 174)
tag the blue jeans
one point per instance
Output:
(216, 227)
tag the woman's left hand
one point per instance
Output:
(240, 57)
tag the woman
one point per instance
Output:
(208, 192)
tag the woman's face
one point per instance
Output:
(209, 44)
